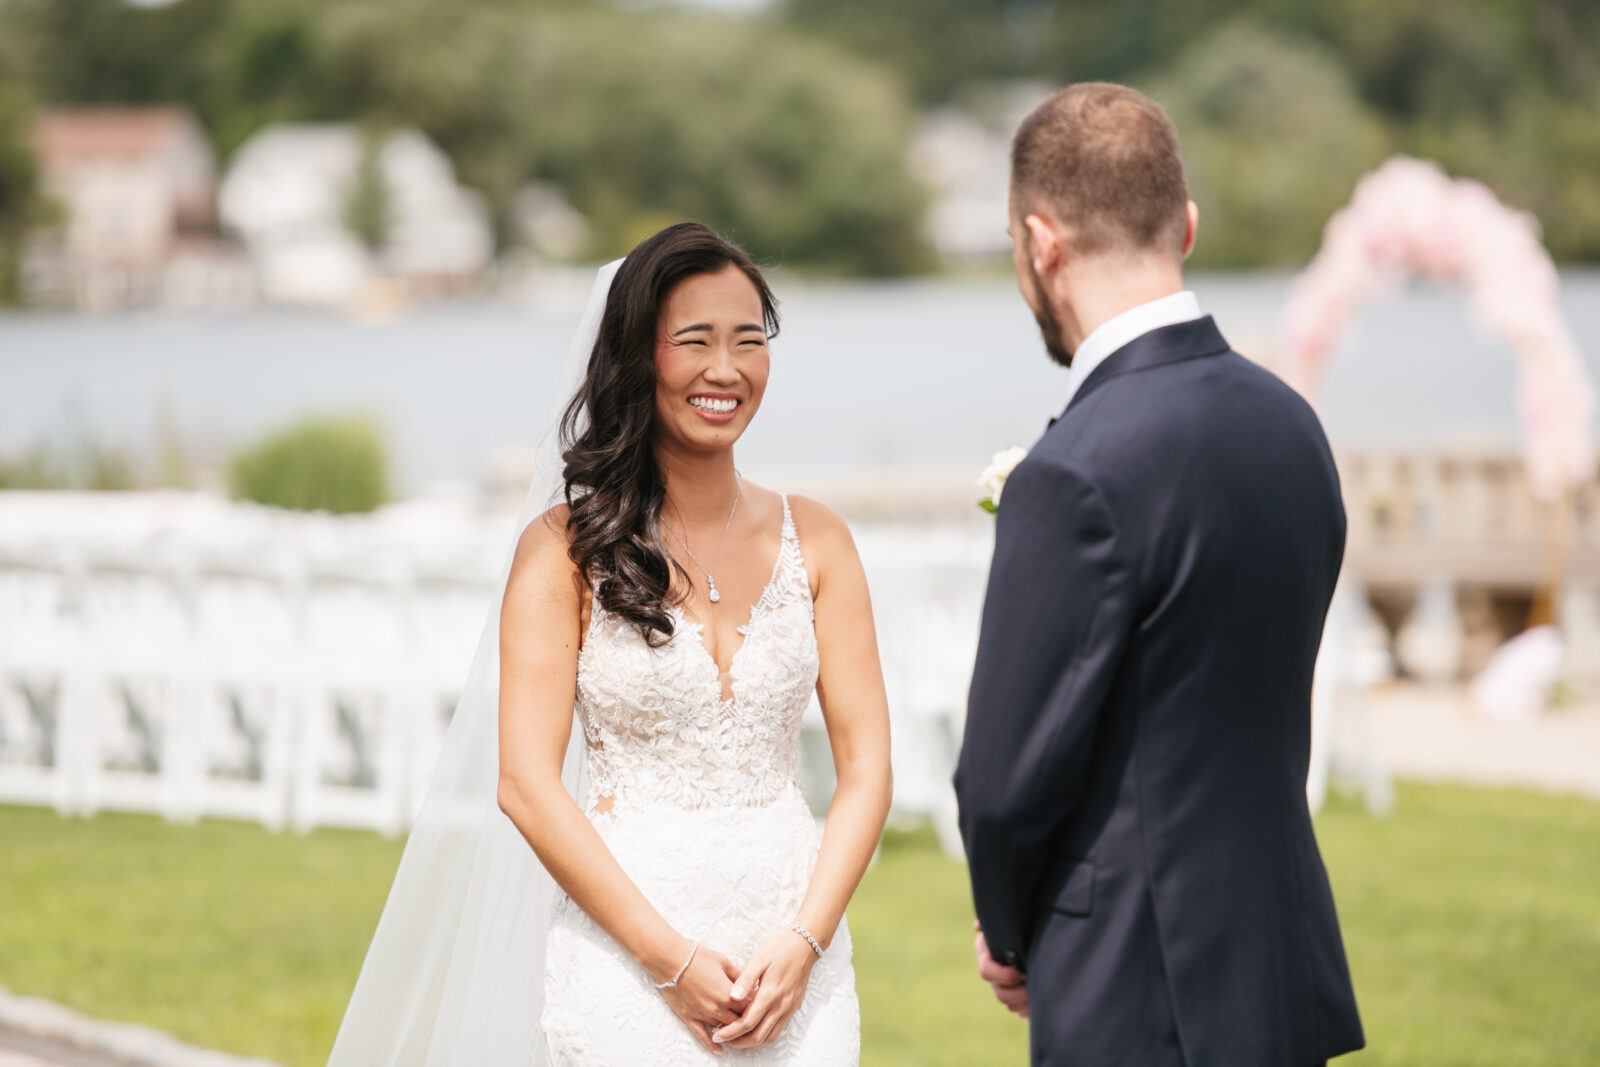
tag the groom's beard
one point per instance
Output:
(1048, 326)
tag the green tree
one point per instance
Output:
(369, 205)
(937, 45)
(940, 45)
(114, 52)
(1503, 90)
(1416, 58)
(789, 129)
(1274, 139)
(1506, 91)
(646, 117)
(457, 72)
(266, 65)
(20, 197)
(791, 148)
(1543, 156)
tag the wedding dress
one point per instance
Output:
(698, 797)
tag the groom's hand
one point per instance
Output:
(1009, 984)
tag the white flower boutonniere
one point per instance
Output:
(993, 478)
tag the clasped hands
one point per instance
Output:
(1009, 984)
(725, 1007)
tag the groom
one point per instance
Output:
(1132, 781)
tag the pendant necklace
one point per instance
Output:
(711, 581)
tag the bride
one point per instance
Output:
(688, 615)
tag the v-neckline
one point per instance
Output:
(744, 631)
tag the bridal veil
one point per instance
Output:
(455, 972)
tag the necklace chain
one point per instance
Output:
(711, 581)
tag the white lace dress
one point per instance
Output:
(707, 818)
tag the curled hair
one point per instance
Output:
(614, 489)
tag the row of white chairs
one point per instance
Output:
(200, 658)
(257, 684)
(193, 658)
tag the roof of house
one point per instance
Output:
(66, 135)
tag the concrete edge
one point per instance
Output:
(125, 1043)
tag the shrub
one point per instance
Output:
(333, 464)
(78, 464)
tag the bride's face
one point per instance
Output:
(711, 360)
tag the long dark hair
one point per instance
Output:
(614, 488)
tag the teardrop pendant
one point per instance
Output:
(715, 596)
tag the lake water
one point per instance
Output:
(924, 374)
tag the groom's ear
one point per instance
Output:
(1044, 244)
(1193, 211)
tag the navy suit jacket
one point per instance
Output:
(1132, 779)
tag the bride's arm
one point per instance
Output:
(539, 639)
(856, 709)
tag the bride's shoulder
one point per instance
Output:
(822, 531)
(541, 557)
(546, 531)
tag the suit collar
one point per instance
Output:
(1169, 344)
(1121, 329)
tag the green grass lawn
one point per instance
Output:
(1472, 920)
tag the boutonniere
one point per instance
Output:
(993, 478)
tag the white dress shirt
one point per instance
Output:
(1119, 330)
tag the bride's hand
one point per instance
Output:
(703, 996)
(776, 976)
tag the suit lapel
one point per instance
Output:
(1168, 344)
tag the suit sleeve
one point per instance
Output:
(1056, 619)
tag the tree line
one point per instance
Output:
(786, 143)
(1282, 104)
(788, 127)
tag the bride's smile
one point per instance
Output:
(714, 408)
(712, 361)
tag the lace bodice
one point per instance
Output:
(658, 728)
(698, 799)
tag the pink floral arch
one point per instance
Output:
(1409, 218)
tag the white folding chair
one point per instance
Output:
(1344, 742)
(350, 765)
(134, 693)
(39, 643)
(448, 601)
(247, 629)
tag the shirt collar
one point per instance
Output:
(1117, 331)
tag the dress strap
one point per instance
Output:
(789, 532)
(790, 559)
(595, 611)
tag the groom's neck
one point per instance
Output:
(1097, 291)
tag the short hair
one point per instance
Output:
(1104, 160)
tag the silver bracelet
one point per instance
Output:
(674, 983)
(797, 928)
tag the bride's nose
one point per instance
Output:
(722, 369)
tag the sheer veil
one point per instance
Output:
(455, 972)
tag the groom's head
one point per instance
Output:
(1100, 209)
